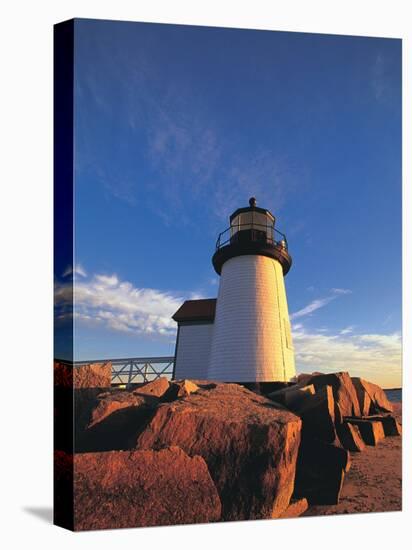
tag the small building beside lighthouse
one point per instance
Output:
(244, 335)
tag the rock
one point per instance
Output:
(111, 420)
(320, 472)
(390, 425)
(366, 392)
(249, 443)
(156, 388)
(110, 402)
(292, 395)
(141, 489)
(344, 392)
(96, 375)
(317, 412)
(62, 375)
(371, 430)
(350, 437)
(180, 388)
(295, 508)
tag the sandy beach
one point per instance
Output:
(374, 482)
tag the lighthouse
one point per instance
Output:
(244, 335)
(251, 336)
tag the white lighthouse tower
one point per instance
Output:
(251, 336)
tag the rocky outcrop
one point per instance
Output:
(258, 452)
(320, 472)
(141, 489)
(110, 420)
(371, 397)
(95, 375)
(156, 388)
(317, 412)
(390, 425)
(180, 388)
(296, 508)
(292, 396)
(350, 437)
(248, 442)
(112, 401)
(371, 430)
(344, 392)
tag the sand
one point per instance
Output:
(374, 482)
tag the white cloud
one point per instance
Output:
(320, 302)
(341, 291)
(313, 306)
(347, 330)
(78, 270)
(376, 357)
(119, 305)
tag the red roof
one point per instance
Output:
(196, 310)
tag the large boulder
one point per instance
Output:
(180, 388)
(141, 489)
(249, 443)
(317, 412)
(95, 375)
(371, 430)
(390, 425)
(156, 388)
(292, 396)
(110, 402)
(296, 508)
(320, 471)
(110, 420)
(350, 437)
(344, 392)
(371, 397)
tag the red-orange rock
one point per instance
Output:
(110, 420)
(62, 375)
(320, 472)
(296, 508)
(291, 396)
(317, 412)
(344, 392)
(180, 388)
(389, 423)
(96, 375)
(374, 395)
(371, 430)
(156, 388)
(350, 437)
(142, 488)
(116, 400)
(249, 443)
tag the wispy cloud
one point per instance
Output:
(185, 152)
(120, 306)
(373, 356)
(341, 291)
(347, 330)
(313, 306)
(319, 303)
(377, 80)
(71, 271)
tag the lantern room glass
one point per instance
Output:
(245, 221)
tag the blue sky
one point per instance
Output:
(176, 126)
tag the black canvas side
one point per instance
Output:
(63, 278)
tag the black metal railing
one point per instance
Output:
(252, 232)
